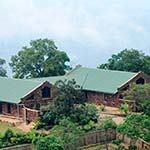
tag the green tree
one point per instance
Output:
(68, 97)
(69, 102)
(128, 60)
(2, 70)
(41, 58)
(141, 94)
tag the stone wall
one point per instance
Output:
(15, 110)
(30, 115)
(102, 98)
(37, 100)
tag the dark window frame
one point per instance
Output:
(8, 108)
(46, 92)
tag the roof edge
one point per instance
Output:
(34, 89)
(129, 80)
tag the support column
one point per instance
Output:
(18, 113)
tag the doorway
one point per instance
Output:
(1, 110)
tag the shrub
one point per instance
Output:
(117, 141)
(83, 114)
(49, 143)
(124, 108)
(108, 123)
(10, 138)
(61, 136)
(88, 127)
(136, 125)
(8, 135)
(132, 147)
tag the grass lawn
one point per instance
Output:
(5, 126)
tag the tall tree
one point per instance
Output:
(128, 60)
(40, 59)
(2, 70)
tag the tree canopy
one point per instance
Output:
(2, 70)
(128, 60)
(41, 58)
(70, 101)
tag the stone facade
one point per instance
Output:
(30, 104)
(44, 94)
(11, 109)
(115, 100)
(34, 100)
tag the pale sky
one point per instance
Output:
(90, 31)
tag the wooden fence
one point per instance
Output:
(95, 137)
(139, 143)
(99, 136)
(20, 147)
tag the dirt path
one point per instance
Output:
(26, 128)
(114, 113)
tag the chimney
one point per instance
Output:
(78, 66)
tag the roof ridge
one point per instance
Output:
(77, 67)
(109, 70)
(28, 80)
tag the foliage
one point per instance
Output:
(132, 147)
(2, 70)
(101, 107)
(136, 125)
(117, 141)
(69, 102)
(49, 143)
(108, 123)
(89, 126)
(124, 108)
(10, 138)
(83, 114)
(40, 59)
(128, 60)
(141, 94)
(62, 135)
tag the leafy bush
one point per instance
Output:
(83, 114)
(132, 147)
(117, 141)
(10, 138)
(49, 143)
(141, 95)
(108, 123)
(62, 135)
(124, 108)
(136, 125)
(88, 127)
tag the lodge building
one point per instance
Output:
(23, 98)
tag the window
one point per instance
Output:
(46, 92)
(38, 106)
(140, 81)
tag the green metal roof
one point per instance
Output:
(100, 80)
(12, 90)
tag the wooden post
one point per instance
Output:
(25, 115)
(18, 111)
